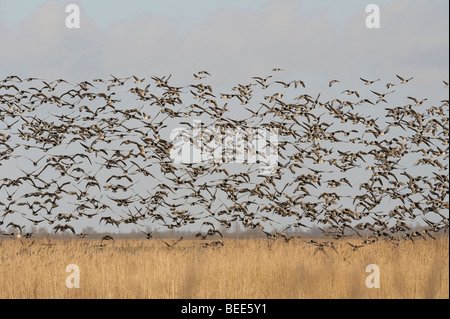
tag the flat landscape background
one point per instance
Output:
(242, 268)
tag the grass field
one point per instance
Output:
(241, 269)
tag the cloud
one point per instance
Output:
(41, 45)
(235, 44)
(145, 45)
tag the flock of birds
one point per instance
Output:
(357, 165)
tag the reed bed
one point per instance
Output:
(242, 268)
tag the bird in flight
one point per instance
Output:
(369, 82)
(404, 80)
(171, 245)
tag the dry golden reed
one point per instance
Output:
(240, 269)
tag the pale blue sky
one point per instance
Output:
(317, 39)
(186, 13)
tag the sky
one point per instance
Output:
(106, 12)
(314, 41)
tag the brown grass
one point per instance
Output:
(240, 269)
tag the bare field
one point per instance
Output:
(241, 269)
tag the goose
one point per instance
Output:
(330, 84)
(368, 82)
(137, 80)
(389, 85)
(63, 228)
(148, 235)
(19, 227)
(106, 238)
(171, 245)
(404, 80)
(355, 247)
(418, 103)
(204, 72)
